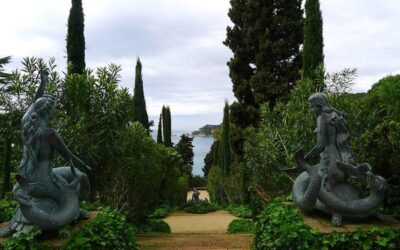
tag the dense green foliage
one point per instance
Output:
(160, 212)
(154, 226)
(199, 207)
(225, 144)
(241, 226)
(265, 65)
(109, 230)
(7, 209)
(211, 157)
(131, 172)
(379, 141)
(76, 39)
(139, 103)
(123, 154)
(373, 121)
(313, 47)
(226, 189)
(241, 211)
(198, 181)
(185, 148)
(166, 128)
(225, 176)
(281, 227)
(271, 148)
(25, 242)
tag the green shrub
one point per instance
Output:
(282, 227)
(23, 241)
(91, 206)
(241, 211)
(241, 226)
(160, 212)
(7, 209)
(199, 207)
(109, 230)
(154, 226)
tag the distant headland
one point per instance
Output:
(205, 130)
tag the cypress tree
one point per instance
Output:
(76, 38)
(185, 148)
(166, 117)
(265, 40)
(225, 144)
(211, 158)
(139, 103)
(313, 48)
(159, 130)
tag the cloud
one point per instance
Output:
(362, 34)
(180, 45)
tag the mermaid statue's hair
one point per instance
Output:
(31, 131)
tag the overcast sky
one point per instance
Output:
(180, 45)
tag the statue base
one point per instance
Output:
(322, 223)
(57, 241)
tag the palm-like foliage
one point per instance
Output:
(3, 75)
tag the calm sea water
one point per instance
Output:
(201, 146)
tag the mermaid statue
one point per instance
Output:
(48, 197)
(325, 186)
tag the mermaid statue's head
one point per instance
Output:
(319, 102)
(44, 107)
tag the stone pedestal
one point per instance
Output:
(57, 242)
(323, 223)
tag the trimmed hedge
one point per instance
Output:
(282, 227)
(160, 212)
(199, 207)
(154, 226)
(241, 211)
(241, 226)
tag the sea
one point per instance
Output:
(201, 146)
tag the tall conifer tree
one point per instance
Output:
(159, 130)
(76, 38)
(313, 49)
(265, 40)
(166, 117)
(225, 144)
(139, 103)
(185, 148)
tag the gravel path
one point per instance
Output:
(214, 222)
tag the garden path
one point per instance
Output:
(197, 231)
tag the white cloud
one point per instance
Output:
(180, 45)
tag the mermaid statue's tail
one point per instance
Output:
(46, 216)
(307, 185)
(83, 188)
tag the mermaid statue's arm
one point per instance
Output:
(63, 150)
(44, 79)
